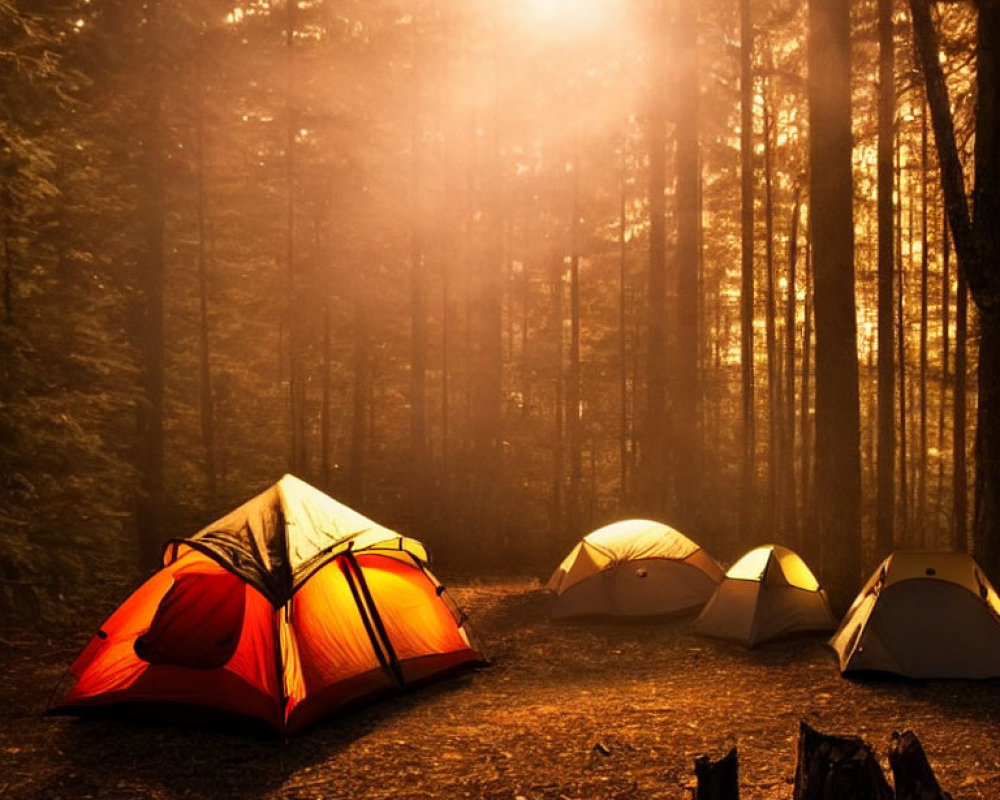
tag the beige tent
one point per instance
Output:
(923, 615)
(633, 568)
(769, 593)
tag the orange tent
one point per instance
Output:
(285, 609)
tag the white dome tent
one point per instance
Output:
(767, 594)
(633, 568)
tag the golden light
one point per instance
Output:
(565, 17)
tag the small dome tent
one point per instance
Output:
(923, 615)
(767, 594)
(285, 609)
(633, 568)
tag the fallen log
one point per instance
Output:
(911, 771)
(717, 780)
(837, 768)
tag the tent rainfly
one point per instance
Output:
(923, 615)
(633, 568)
(768, 594)
(285, 609)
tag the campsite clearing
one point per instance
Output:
(568, 710)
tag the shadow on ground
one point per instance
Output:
(114, 757)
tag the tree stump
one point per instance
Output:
(911, 772)
(837, 768)
(717, 780)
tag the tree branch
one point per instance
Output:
(925, 41)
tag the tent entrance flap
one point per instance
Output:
(197, 623)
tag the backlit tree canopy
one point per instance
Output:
(494, 273)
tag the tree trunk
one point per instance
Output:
(487, 354)
(870, 405)
(921, 510)
(718, 780)
(885, 522)
(623, 426)
(986, 290)
(986, 519)
(807, 469)
(960, 490)
(325, 421)
(8, 271)
(419, 462)
(574, 423)
(925, 41)
(296, 338)
(977, 243)
(206, 405)
(152, 210)
(557, 433)
(910, 464)
(654, 447)
(837, 768)
(686, 414)
(838, 500)
(945, 362)
(445, 472)
(361, 389)
(770, 326)
(748, 464)
(789, 520)
(911, 773)
(904, 494)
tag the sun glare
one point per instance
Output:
(565, 16)
(549, 11)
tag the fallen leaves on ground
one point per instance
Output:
(567, 711)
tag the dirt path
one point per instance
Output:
(565, 712)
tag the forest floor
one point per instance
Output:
(565, 712)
